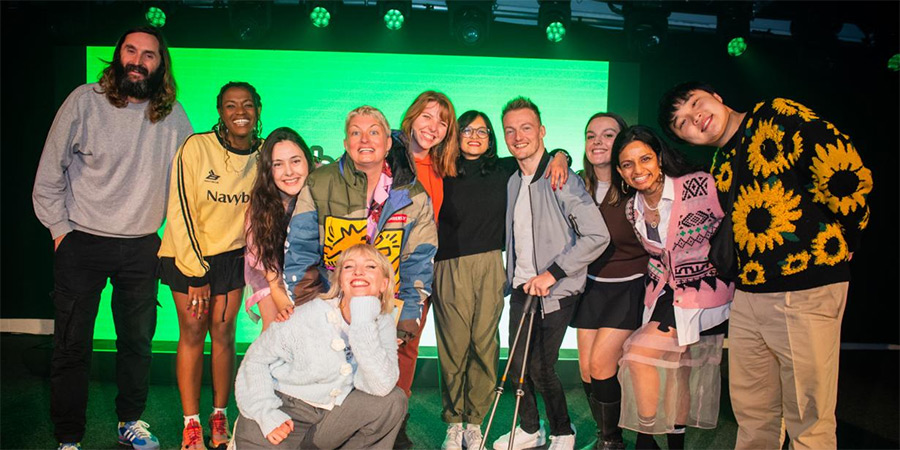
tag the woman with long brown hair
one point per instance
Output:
(284, 164)
(610, 308)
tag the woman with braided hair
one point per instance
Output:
(202, 252)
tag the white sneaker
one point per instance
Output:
(564, 442)
(522, 439)
(472, 437)
(454, 438)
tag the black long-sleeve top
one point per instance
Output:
(473, 215)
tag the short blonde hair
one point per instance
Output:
(371, 111)
(386, 297)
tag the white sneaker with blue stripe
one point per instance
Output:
(135, 434)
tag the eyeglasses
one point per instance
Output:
(479, 132)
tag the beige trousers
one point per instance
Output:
(468, 301)
(783, 363)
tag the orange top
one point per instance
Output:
(434, 185)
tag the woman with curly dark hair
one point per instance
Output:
(284, 164)
(202, 252)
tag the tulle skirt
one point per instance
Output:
(664, 384)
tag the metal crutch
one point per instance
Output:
(528, 310)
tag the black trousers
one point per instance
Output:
(547, 335)
(82, 264)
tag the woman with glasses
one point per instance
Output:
(469, 279)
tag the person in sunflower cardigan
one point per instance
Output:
(799, 210)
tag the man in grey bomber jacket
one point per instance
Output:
(551, 237)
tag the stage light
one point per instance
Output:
(894, 62)
(646, 26)
(156, 17)
(737, 46)
(733, 26)
(554, 18)
(393, 19)
(470, 20)
(395, 13)
(320, 17)
(321, 12)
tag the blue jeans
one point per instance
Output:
(82, 264)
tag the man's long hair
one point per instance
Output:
(162, 99)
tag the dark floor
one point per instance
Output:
(867, 406)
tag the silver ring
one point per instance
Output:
(194, 302)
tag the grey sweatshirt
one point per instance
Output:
(105, 170)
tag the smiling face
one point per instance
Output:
(361, 275)
(289, 167)
(524, 134)
(430, 129)
(239, 113)
(639, 167)
(140, 56)
(702, 119)
(367, 142)
(598, 140)
(475, 139)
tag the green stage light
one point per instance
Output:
(894, 62)
(737, 46)
(320, 17)
(556, 31)
(155, 17)
(393, 19)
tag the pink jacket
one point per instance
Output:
(683, 265)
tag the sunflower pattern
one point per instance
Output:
(723, 177)
(766, 154)
(801, 197)
(756, 109)
(795, 263)
(752, 273)
(764, 216)
(787, 107)
(840, 180)
(829, 246)
(830, 126)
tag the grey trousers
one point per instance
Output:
(361, 421)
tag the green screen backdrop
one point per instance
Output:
(312, 92)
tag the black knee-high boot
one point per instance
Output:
(403, 441)
(676, 438)
(609, 435)
(645, 442)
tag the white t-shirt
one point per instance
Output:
(523, 235)
(601, 190)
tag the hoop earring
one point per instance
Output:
(624, 187)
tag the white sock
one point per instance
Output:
(473, 426)
(221, 410)
(187, 419)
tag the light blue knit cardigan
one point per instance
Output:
(304, 358)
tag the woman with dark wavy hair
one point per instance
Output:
(159, 86)
(202, 252)
(284, 164)
(610, 308)
(670, 368)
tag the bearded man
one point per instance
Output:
(101, 190)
